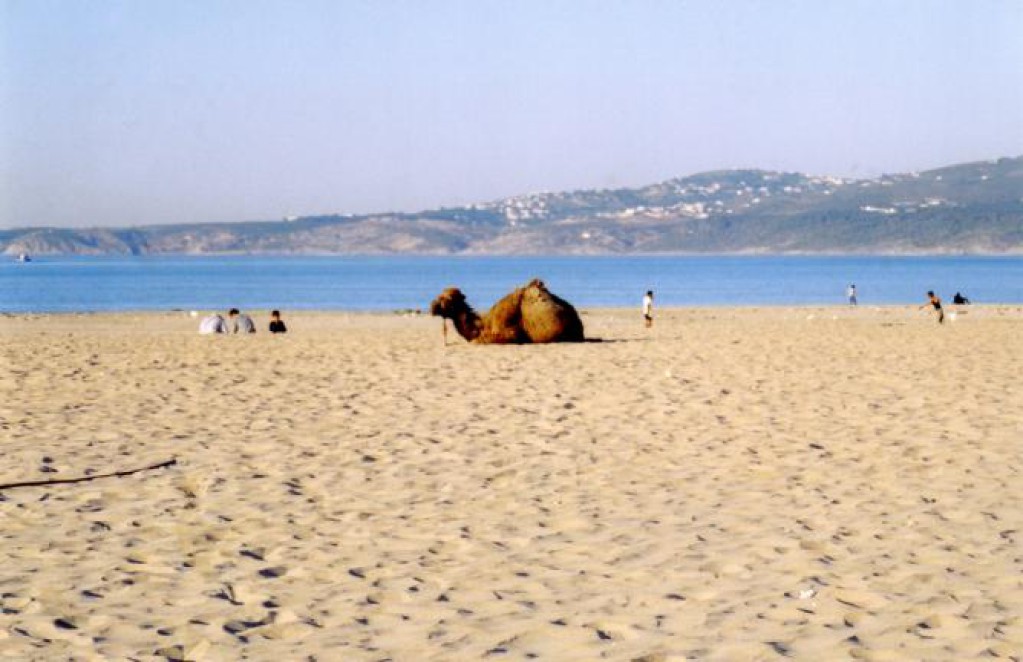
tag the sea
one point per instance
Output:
(397, 283)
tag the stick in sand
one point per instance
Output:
(83, 479)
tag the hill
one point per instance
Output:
(968, 208)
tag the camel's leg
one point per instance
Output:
(444, 329)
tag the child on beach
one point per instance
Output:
(934, 300)
(276, 323)
(851, 293)
(648, 308)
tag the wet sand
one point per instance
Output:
(734, 484)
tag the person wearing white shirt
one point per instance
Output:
(212, 324)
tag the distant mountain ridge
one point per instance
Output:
(967, 208)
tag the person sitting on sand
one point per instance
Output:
(960, 300)
(276, 323)
(242, 323)
(212, 324)
(934, 300)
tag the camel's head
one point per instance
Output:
(449, 303)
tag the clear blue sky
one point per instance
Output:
(130, 113)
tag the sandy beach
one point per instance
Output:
(733, 484)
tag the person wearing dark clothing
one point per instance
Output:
(276, 323)
(935, 301)
(960, 300)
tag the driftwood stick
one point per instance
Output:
(84, 479)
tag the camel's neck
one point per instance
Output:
(467, 323)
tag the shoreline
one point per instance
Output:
(588, 310)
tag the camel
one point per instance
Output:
(530, 314)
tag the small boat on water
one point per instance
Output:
(24, 257)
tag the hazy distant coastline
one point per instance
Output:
(974, 208)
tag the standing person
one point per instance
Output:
(241, 323)
(851, 293)
(934, 300)
(648, 308)
(276, 323)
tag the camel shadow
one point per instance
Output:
(585, 341)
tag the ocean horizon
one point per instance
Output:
(381, 283)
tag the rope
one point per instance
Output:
(84, 479)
